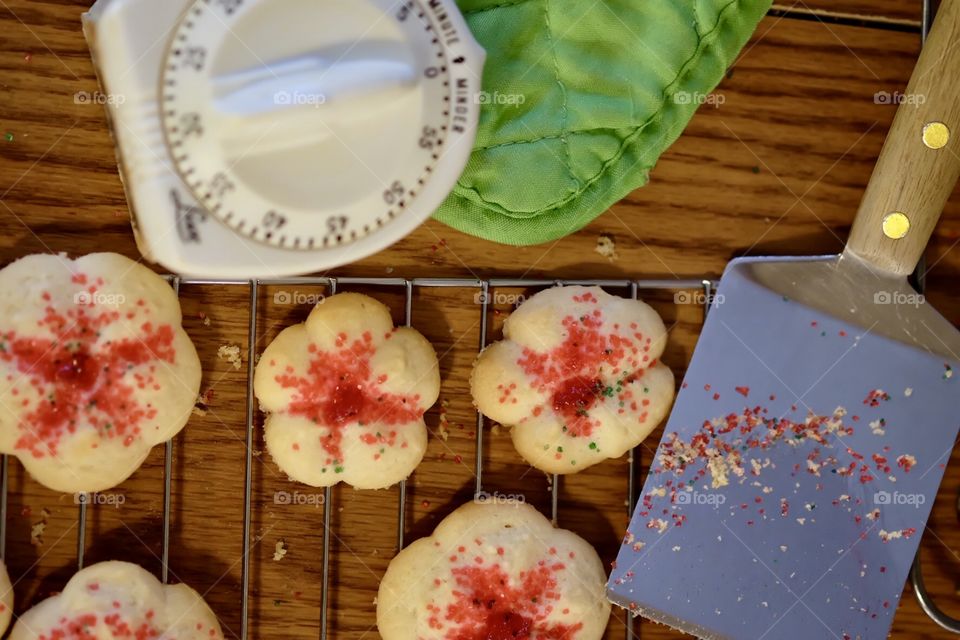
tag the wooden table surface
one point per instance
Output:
(777, 168)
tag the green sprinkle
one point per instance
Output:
(559, 449)
(338, 469)
(756, 169)
(9, 136)
(593, 445)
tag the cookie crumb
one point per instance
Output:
(443, 429)
(607, 247)
(230, 353)
(36, 533)
(279, 551)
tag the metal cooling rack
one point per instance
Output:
(483, 287)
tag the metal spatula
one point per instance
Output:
(798, 468)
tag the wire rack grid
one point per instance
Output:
(482, 286)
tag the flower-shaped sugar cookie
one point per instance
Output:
(345, 394)
(6, 599)
(494, 570)
(95, 368)
(577, 377)
(119, 600)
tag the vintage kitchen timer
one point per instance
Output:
(268, 138)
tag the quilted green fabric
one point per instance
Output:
(580, 99)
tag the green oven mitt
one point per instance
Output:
(580, 99)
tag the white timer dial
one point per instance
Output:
(306, 124)
(271, 138)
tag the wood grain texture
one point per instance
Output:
(911, 179)
(778, 168)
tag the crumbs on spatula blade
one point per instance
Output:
(887, 536)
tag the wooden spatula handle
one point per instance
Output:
(918, 168)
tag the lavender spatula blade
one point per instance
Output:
(799, 466)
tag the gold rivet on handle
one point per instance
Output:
(936, 135)
(896, 225)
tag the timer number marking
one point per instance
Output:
(191, 125)
(274, 221)
(429, 139)
(394, 194)
(229, 6)
(221, 185)
(336, 225)
(195, 58)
